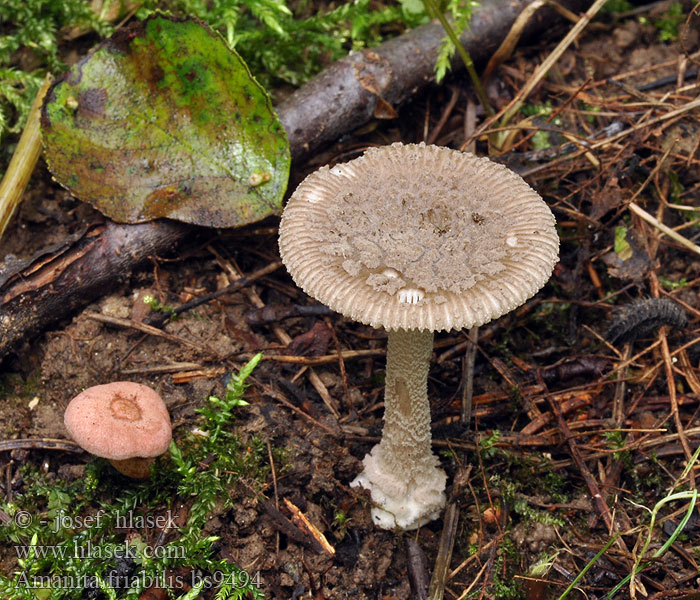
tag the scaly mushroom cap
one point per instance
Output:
(119, 420)
(418, 237)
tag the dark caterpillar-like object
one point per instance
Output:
(642, 317)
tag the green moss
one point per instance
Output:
(616, 441)
(670, 22)
(503, 585)
(281, 44)
(30, 47)
(616, 6)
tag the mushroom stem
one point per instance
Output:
(406, 436)
(135, 468)
(401, 471)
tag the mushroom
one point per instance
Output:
(415, 239)
(125, 422)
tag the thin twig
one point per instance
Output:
(671, 385)
(476, 579)
(640, 212)
(436, 590)
(621, 389)
(303, 523)
(149, 329)
(468, 386)
(445, 115)
(39, 444)
(315, 361)
(240, 283)
(341, 363)
(598, 500)
(280, 398)
(273, 472)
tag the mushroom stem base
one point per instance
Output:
(398, 503)
(136, 468)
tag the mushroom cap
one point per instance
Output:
(119, 420)
(418, 237)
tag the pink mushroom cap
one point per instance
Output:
(119, 420)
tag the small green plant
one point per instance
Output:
(689, 212)
(591, 112)
(649, 481)
(677, 188)
(616, 6)
(622, 247)
(340, 523)
(96, 533)
(670, 285)
(214, 445)
(669, 23)
(544, 563)
(522, 507)
(461, 12)
(461, 15)
(487, 445)
(519, 476)
(526, 510)
(540, 140)
(154, 304)
(550, 482)
(616, 441)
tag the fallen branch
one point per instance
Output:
(369, 84)
(349, 93)
(58, 283)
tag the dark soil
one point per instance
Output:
(525, 494)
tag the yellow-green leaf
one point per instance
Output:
(165, 120)
(622, 247)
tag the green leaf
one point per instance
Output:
(164, 120)
(622, 247)
(412, 7)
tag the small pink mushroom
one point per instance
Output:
(125, 422)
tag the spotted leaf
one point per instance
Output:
(165, 120)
